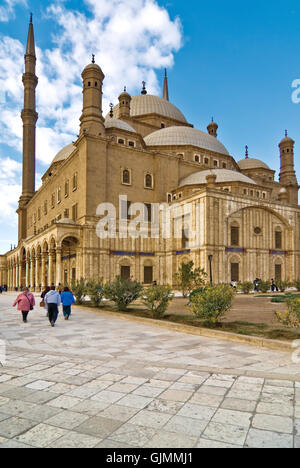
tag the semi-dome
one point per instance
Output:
(183, 136)
(117, 123)
(252, 163)
(64, 153)
(144, 104)
(223, 175)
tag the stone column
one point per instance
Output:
(37, 272)
(50, 269)
(28, 263)
(44, 259)
(32, 274)
(58, 265)
(20, 276)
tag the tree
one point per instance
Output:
(123, 292)
(79, 290)
(189, 278)
(157, 299)
(95, 292)
(212, 303)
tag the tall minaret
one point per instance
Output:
(287, 170)
(29, 118)
(166, 87)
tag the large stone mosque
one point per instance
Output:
(145, 150)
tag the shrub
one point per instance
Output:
(296, 285)
(245, 287)
(282, 285)
(79, 289)
(264, 286)
(122, 292)
(188, 278)
(157, 299)
(291, 318)
(95, 292)
(212, 303)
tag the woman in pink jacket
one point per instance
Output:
(25, 302)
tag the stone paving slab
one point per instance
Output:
(83, 384)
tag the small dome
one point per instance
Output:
(144, 104)
(251, 163)
(185, 136)
(223, 175)
(117, 123)
(283, 190)
(64, 153)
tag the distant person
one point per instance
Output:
(25, 302)
(67, 300)
(256, 283)
(274, 286)
(52, 302)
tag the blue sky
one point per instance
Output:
(230, 60)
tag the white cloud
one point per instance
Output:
(7, 9)
(131, 40)
(10, 189)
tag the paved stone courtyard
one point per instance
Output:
(101, 381)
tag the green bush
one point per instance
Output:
(79, 289)
(291, 318)
(157, 300)
(95, 292)
(212, 303)
(264, 286)
(296, 285)
(122, 292)
(187, 278)
(282, 285)
(245, 287)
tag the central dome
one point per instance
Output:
(148, 104)
(185, 136)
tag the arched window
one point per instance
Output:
(278, 239)
(234, 235)
(126, 177)
(148, 181)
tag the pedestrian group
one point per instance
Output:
(51, 300)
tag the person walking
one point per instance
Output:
(52, 302)
(67, 300)
(25, 302)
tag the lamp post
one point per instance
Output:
(210, 257)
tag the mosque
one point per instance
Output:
(247, 224)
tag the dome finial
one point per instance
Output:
(30, 18)
(286, 134)
(247, 152)
(144, 91)
(93, 58)
(111, 114)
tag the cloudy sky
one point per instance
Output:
(236, 65)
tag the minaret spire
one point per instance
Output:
(166, 87)
(29, 118)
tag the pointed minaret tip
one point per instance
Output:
(166, 87)
(30, 49)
